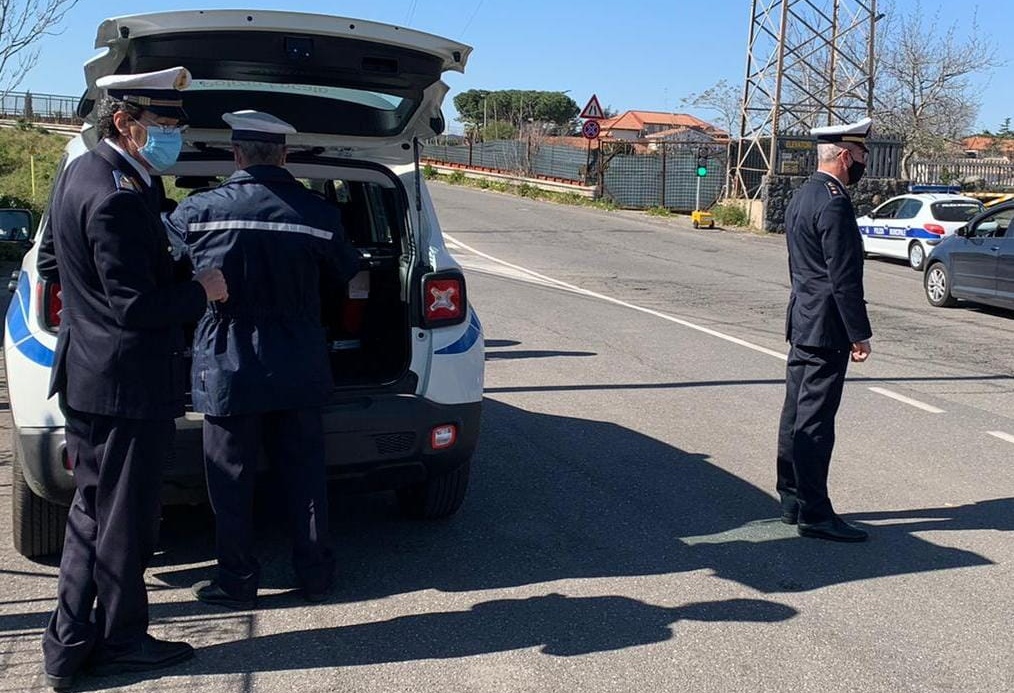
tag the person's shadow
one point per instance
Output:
(556, 624)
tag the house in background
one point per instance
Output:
(982, 147)
(652, 125)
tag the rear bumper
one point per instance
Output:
(371, 443)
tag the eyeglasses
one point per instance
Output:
(166, 129)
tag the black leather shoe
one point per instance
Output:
(835, 529)
(152, 653)
(60, 683)
(790, 517)
(210, 592)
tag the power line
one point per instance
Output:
(474, 12)
(411, 12)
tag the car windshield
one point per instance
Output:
(955, 210)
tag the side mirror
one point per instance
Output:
(961, 231)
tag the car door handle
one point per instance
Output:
(995, 248)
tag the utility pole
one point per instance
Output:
(808, 63)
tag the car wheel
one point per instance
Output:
(938, 286)
(711, 225)
(435, 498)
(38, 525)
(916, 256)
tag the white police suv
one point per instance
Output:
(909, 226)
(406, 346)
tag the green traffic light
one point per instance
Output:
(702, 171)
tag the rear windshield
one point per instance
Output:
(955, 211)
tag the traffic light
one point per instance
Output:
(702, 164)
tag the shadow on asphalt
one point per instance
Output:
(552, 498)
(556, 497)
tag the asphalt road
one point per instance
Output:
(618, 534)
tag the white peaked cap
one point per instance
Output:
(256, 126)
(850, 132)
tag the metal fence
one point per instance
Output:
(45, 108)
(664, 175)
(991, 174)
(524, 157)
(797, 156)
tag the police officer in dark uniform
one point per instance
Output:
(826, 325)
(261, 370)
(118, 373)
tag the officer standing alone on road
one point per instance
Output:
(826, 325)
(261, 370)
(118, 373)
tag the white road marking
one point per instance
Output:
(616, 301)
(1002, 436)
(907, 400)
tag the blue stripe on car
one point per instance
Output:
(18, 330)
(913, 232)
(465, 341)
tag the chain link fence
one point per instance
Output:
(663, 174)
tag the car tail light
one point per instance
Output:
(443, 437)
(935, 228)
(48, 299)
(443, 299)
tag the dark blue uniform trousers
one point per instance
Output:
(294, 443)
(814, 381)
(112, 528)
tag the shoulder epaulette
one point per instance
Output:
(125, 182)
(832, 188)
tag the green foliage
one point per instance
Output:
(730, 214)
(516, 106)
(457, 178)
(526, 190)
(498, 130)
(659, 212)
(483, 183)
(429, 173)
(17, 148)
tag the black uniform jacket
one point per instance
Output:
(265, 348)
(120, 346)
(826, 307)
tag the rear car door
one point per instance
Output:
(1005, 269)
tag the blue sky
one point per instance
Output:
(636, 54)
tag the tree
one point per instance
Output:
(23, 23)
(924, 83)
(498, 130)
(478, 107)
(723, 98)
(1005, 131)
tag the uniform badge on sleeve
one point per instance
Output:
(832, 188)
(125, 182)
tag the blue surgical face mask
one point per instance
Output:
(162, 148)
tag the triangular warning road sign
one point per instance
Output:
(593, 111)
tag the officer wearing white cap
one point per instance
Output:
(261, 370)
(118, 374)
(826, 326)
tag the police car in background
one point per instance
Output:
(406, 347)
(909, 226)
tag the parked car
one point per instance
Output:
(909, 226)
(15, 226)
(406, 347)
(976, 263)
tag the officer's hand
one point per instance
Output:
(861, 351)
(214, 284)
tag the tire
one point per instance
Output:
(916, 256)
(696, 225)
(436, 498)
(937, 282)
(38, 525)
(711, 225)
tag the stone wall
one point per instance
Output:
(777, 190)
